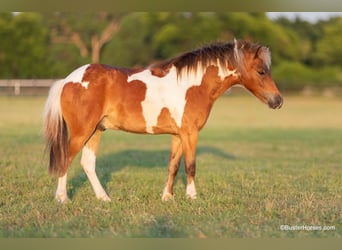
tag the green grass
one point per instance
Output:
(258, 169)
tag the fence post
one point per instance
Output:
(17, 88)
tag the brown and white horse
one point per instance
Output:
(171, 97)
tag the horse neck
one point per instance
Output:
(226, 85)
(218, 82)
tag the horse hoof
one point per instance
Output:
(191, 197)
(104, 198)
(62, 199)
(168, 197)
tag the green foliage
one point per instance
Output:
(131, 45)
(23, 46)
(295, 76)
(39, 45)
(329, 47)
(257, 27)
(67, 58)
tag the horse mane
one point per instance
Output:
(221, 54)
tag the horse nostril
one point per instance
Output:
(276, 102)
(280, 101)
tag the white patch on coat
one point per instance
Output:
(165, 92)
(225, 72)
(77, 75)
(168, 92)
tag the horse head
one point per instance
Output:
(253, 66)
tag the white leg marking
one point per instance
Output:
(191, 191)
(88, 163)
(61, 192)
(166, 195)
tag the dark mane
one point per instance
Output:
(214, 53)
(221, 54)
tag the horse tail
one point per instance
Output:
(55, 131)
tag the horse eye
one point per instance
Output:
(261, 72)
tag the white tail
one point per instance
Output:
(55, 131)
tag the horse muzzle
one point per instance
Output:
(275, 102)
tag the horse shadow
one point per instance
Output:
(110, 163)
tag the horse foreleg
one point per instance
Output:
(174, 163)
(88, 163)
(189, 142)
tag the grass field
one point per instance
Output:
(260, 172)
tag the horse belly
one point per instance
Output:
(130, 121)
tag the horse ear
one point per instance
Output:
(258, 51)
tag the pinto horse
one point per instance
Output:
(170, 97)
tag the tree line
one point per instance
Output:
(51, 45)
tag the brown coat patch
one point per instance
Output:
(81, 105)
(108, 102)
(165, 123)
(198, 104)
(199, 99)
(123, 108)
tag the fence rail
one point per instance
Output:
(16, 86)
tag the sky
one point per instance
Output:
(308, 16)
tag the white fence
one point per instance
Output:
(25, 86)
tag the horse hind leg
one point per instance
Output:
(61, 192)
(74, 146)
(88, 161)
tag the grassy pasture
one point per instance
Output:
(258, 169)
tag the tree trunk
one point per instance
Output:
(98, 42)
(76, 39)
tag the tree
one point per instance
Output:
(307, 33)
(23, 46)
(89, 32)
(329, 46)
(257, 27)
